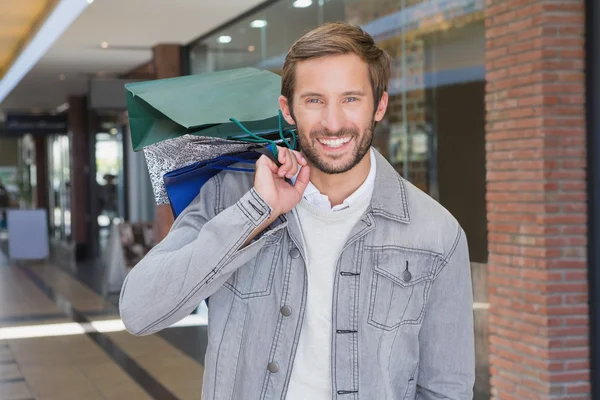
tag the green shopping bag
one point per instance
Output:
(204, 105)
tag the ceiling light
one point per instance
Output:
(251, 48)
(258, 23)
(104, 45)
(90, 1)
(63, 107)
(302, 3)
(224, 39)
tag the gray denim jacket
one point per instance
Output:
(402, 306)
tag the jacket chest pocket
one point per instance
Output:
(399, 287)
(255, 278)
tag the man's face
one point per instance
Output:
(333, 109)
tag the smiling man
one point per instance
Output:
(349, 283)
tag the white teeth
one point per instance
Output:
(335, 142)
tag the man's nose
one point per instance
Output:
(333, 118)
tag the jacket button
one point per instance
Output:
(295, 253)
(286, 311)
(273, 367)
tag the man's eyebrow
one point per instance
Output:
(310, 94)
(354, 93)
(347, 93)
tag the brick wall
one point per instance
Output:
(535, 135)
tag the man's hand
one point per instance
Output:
(270, 183)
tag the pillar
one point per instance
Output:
(80, 161)
(536, 184)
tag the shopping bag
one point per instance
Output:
(204, 105)
(184, 184)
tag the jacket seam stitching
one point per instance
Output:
(446, 260)
(404, 198)
(359, 255)
(261, 293)
(417, 321)
(410, 249)
(333, 339)
(454, 246)
(237, 366)
(228, 258)
(219, 350)
(295, 344)
(274, 346)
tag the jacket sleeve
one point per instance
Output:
(193, 261)
(447, 339)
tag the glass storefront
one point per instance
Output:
(434, 129)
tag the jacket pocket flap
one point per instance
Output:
(404, 266)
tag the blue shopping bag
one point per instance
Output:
(183, 185)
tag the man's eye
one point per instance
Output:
(314, 101)
(351, 99)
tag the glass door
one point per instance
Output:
(59, 199)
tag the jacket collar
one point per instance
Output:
(389, 195)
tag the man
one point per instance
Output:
(348, 284)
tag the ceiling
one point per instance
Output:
(18, 20)
(130, 27)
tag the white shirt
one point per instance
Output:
(325, 231)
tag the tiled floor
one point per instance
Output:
(79, 350)
(60, 339)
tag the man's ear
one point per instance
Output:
(381, 107)
(285, 110)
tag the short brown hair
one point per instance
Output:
(337, 38)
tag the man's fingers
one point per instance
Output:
(302, 179)
(294, 168)
(281, 154)
(266, 161)
(299, 157)
(287, 165)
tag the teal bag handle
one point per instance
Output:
(272, 145)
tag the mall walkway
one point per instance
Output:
(60, 340)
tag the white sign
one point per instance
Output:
(27, 234)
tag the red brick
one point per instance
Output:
(576, 298)
(525, 393)
(536, 385)
(556, 20)
(564, 376)
(567, 310)
(574, 230)
(566, 287)
(568, 331)
(579, 388)
(577, 365)
(576, 276)
(581, 321)
(577, 342)
(569, 354)
(503, 384)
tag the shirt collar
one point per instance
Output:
(314, 197)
